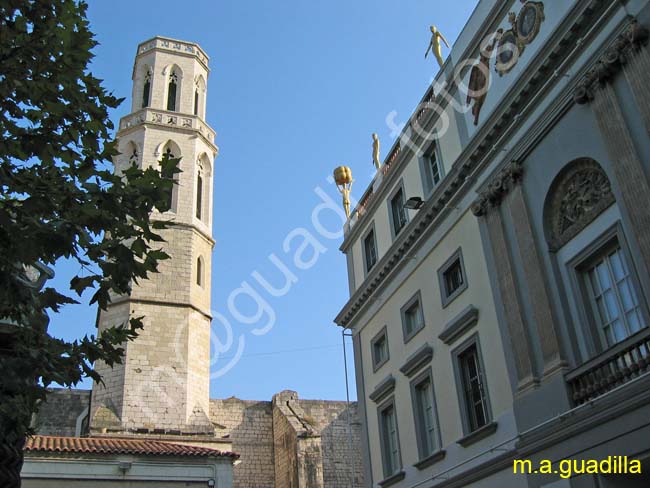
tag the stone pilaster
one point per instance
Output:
(627, 53)
(487, 208)
(629, 50)
(536, 283)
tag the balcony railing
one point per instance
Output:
(167, 119)
(616, 366)
(425, 104)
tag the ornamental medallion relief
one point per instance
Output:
(524, 29)
(579, 194)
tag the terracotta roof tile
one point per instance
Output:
(95, 445)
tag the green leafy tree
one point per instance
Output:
(60, 198)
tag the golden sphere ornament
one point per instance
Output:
(343, 175)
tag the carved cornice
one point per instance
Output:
(633, 38)
(498, 188)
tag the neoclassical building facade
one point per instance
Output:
(499, 261)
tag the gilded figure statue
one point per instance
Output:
(434, 45)
(343, 179)
(375, 151)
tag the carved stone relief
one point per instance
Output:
(578, 195)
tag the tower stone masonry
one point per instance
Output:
(163, 384)
(161, 391)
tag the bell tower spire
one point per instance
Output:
(163, 383)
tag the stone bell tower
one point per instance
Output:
(163, 385)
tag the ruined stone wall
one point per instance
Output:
(342, 459)
(58, 415)
(249, 425)
(285, 447)
(287, 443)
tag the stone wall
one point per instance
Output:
(316, 443)
(249, 425)
(340, 441)
(58, 415)
(286, 443)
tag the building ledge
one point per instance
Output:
(169, 120)
(459, 325)
(417, 360)
(391, 480)
(477, 435)
(431, 460)
(383, 389)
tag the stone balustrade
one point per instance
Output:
(616, 366)
(173, 45)
(167, 119)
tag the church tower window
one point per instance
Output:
(199, 271)
(199, 196)
(169, 176)
(133, 159)
(171, 91)
(146, 90)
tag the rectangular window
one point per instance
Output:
(398, 212)
(379, 349)
(473, 385)
(434, 169)
(613, 297)
(412, 317)
(425, 416)
(430, 169)
(389, 440)
(452, 278)
(370, 250)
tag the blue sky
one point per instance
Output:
(296, 89)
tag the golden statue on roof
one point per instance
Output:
(343, 179)
(375, 151)
(434, 45)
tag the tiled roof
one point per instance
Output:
(97, 445)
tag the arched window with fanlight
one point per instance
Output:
(172, 89)
(146, 89)
(603, 271)
(200, 279)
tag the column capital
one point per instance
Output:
(633, 37)
(498, 188)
